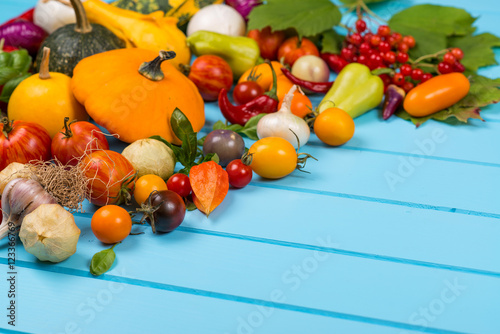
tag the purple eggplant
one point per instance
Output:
(23, 34)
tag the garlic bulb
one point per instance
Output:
(50, 233)
(11, 172)
(284, 124)
(53, 14)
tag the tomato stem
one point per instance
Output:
(7, 127)
(67, 128)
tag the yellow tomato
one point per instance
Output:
(273, 157)
(145, 185)
(334, 126)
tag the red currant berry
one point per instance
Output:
(384, 46)
(351, 47)
(356, 39)
(416, 74)
(444, 68)
(458, 53)
(403, 47)
(458, 67)
(397, 37)
(347, 54)
(402, 57)
(425, 77)
(409, 40)
(360, 25)
(362, 59)
(383, 31)
(364, 48)
(375, 40)
(407, 86)
(405, 70)
(390, 57)
(368, 36)
(355, 59)
(391, 40)
(449, 58)
(398, 79)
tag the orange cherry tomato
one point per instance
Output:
(262, 74)
(334, 126)
(436, 94)
(111, 224)
(301, 105)
(292, 49)
(145, 185)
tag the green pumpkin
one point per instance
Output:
(73, 42)
(143, 6)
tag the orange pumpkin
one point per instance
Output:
(133, 93)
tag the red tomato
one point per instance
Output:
(292, 49)
(238, 173)
(22, 141)
(179, 183)
(76, 140)
(210, 74)
(246, 91)
(112, 177)
(269, 42)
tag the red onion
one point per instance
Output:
(23, 34)
(244, 7)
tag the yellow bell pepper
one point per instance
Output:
(153, 31)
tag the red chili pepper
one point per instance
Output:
(317, 87)
(241, 114)
(334, 61)
(27, 15)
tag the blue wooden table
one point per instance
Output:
(398, 231)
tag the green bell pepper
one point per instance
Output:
(356, 91)
(241, 53)
(14, 67)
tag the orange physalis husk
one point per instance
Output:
(210, 185)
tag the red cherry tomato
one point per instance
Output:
(269, 42)
(246, 91)
(292, 49)
(25, 141)
(75, 140)
(179, 183)
(239, 174)
(210, 74)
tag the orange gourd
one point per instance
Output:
(133, 94)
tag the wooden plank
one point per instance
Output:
(50, 302)
(311, 279)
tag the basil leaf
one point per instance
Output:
(102, 261)
(211, 157)
(219, 125)
(180, 124)
(5, 59)
(201, 141)
(250, 128)
(10, 86)
(21, 60)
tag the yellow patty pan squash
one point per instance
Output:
(133, 93)
(46, 99)
(152, 32)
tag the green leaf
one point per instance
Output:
(250, 128)
(219, 125)
(201, 141)
(308, 18)
(184, 131)
(21, 60)
(483, 91)
(190, 206)
(353, 2)
(102, 261)
(10, 86)
(477, 49)
(180, 124)
(331, 41)
(211, 157)
(430, 25)
(5, 59)
(6, 74)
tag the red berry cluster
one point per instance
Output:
(387, 49)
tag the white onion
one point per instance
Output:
(217, 18)
(311, 68)
(52, 14)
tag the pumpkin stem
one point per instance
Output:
(44, 65)
(7, 127)
(67, 128)
(82, 22)
(152, 69)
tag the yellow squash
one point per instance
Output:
(185, 9)
(153, 31)
(45, 98)
(133, 94)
